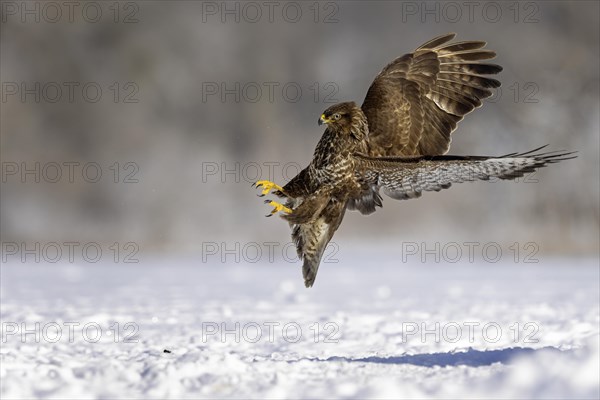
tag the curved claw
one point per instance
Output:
(277, 207)
(272, 212)
(267, 187)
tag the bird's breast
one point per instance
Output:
(335, 171)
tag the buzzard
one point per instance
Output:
(395, 142)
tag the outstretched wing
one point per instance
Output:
(414, 104)
(312, 237)
(407, 177)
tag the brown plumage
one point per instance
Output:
(414, 104)
(395, 142)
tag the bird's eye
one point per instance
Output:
(337, 116)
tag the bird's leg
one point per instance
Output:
(267, 186)
(277, 207)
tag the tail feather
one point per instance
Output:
(311, 238)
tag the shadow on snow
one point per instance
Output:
(471, 357)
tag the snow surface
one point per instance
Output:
(370, 341)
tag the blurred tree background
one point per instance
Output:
(194, 143)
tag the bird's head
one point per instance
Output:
(345, 117)
(339, 115)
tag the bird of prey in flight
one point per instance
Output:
(396, 142)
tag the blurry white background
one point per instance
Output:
(177, 60)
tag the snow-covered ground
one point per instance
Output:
(373, 329)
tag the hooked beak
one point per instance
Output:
(323, 120)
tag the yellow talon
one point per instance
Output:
(277, 207)
(267, 186)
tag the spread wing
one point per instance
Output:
(414, 104)
(407, 177)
